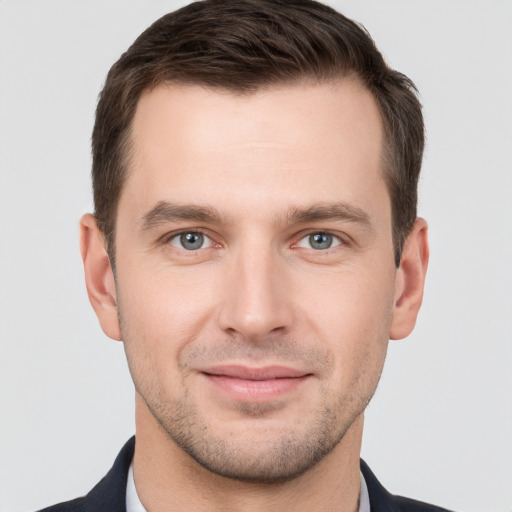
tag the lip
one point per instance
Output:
(255, 384)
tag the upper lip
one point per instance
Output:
(249, 373)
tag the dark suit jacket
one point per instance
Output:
(109, 495)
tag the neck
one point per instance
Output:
(167, 478)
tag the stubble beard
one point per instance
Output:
(275, 458)
(265, 455)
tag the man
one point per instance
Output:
(254, 246)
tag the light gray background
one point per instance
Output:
(440, 426)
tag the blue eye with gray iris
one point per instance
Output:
(191, 241)
(195, 240)
(320, 241)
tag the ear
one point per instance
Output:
(410, 281)
(99, 278)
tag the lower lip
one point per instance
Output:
(255, 390)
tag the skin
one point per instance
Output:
(256, 176)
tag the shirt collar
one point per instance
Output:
(133, 503)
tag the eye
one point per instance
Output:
(191, 241)
(319, 241)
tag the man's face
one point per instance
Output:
(255, 277)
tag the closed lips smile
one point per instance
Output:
(255, 384)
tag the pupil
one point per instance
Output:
(191, 241)
(320, 241)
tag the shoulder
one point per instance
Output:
(109, 494)
(408, 505)
(383, 501)
(77, 505)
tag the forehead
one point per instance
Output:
(286, 144)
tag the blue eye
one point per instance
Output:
(191, 241)
(319, 241)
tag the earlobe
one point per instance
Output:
(99, 278)
(410, 281)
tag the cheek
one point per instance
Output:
(351, 314)
(159, 317)
(165, 307)
(350, 299)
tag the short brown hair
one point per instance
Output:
(241, 46)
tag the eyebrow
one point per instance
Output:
(332, 211)
(164, 212)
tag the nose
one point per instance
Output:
(256, 302)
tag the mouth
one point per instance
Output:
(255, 384)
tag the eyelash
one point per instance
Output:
(341, 241)
(172, 236)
